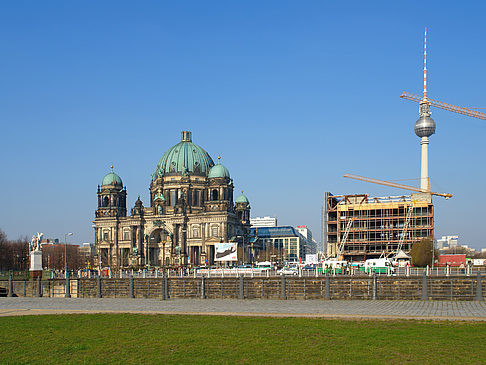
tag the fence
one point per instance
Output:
(322, 287)
(254, 272)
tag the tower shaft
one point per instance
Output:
(424, 166)
(424, 128)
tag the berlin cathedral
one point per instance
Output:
(191, 208)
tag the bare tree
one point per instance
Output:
(53, 257)
(14, 255)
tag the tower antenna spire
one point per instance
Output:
(425, 65)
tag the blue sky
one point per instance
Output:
(291, 94)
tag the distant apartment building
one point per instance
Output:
(311, 246)
(263, 222)
(279, 244)
(50, 241)
(447, 242)
(86, 252)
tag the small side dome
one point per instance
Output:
(218, 171)
(112, 179)
(242, 199)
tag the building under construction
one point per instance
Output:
(375, 226)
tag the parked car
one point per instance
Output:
(288, 271)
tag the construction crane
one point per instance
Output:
(395, 185)
(405, 227)
(340, 250)
(439, 104)
(426, 102)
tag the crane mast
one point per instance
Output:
(405, 227)
(345, 237)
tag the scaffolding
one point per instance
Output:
(378, 224)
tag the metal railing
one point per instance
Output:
(255, 272)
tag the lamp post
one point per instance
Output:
(68, 285)
(65, 252)
(99, 259)
(147, 257)
(183, 255)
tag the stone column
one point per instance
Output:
(117, 249)
(224, 231)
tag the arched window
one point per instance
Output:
(106, 201)
(214, 195)
(240, 215)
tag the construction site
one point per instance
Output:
(376, 227)
(358, 227)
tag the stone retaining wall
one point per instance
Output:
(330, 287)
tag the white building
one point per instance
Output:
(263, 222)
(311, 245)
(447, 242)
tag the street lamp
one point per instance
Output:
(65, 252)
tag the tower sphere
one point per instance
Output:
(425, 126)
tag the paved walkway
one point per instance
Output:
(355, 309)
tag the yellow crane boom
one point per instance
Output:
(395, 185)
(445, 106)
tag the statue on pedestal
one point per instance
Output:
(35, 256)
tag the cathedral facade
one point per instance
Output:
(191, 208)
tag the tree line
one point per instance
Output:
(14, 255)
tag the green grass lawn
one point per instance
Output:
(162, 339)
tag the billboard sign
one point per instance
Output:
(225, 251)
(311, 259)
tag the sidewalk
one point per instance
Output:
(342, 309)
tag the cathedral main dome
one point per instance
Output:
(185, 157)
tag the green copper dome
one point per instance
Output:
(242, 199)
(218, 171)
(185, 157)
(112, 179)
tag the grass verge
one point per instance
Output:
(162, 339)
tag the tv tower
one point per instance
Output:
(424, 128)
